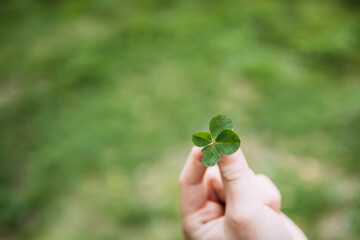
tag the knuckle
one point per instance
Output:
(275, 205)
(275, 191)
(263, 177)
(182, 179)
(243, 216)
(273, 196)
(278, 196)
(234, 172)
(187, 227)
(232, 176)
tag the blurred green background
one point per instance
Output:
(98, 100)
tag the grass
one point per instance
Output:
(98, 101)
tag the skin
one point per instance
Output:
(228, 201)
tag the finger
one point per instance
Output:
(295, 231)
(237, 179)
(192, 191)
(268, 192)
(193, 171)
(214, 184)
(205, 216)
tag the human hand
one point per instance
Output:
(229, 201)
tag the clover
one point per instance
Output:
(222, 140)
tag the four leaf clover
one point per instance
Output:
(221, 140)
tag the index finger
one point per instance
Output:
(193, 171)
(192, 191)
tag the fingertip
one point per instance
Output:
(196, 150)
(233, 166)
(233, 157)
(237, 159)
(196, 155)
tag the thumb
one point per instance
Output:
(236, 176)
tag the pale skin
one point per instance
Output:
(229, 201)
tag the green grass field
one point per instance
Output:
(98, 101)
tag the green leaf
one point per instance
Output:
(218, 124)
(211, 155)
(227, 142)
(201, 139)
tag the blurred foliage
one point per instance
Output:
(98, 100)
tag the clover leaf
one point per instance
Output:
(221, 140)
(201, 139)
(211, 155)
(227, 142)
(218, 124)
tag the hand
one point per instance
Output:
(229, 201)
